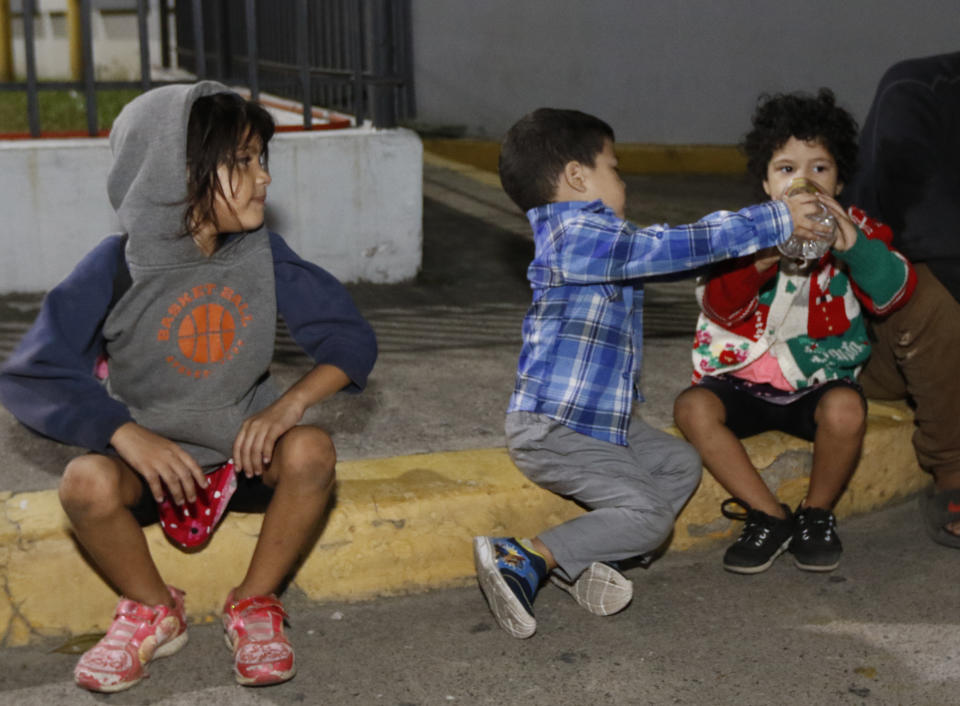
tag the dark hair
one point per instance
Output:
(220, 124)
(803, 116)
(539, 146)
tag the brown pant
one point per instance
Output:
(917, 355)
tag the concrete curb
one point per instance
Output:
(634, 157)
(398, 525)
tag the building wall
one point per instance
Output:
(660, 71)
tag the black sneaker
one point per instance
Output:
(762, 539)
(816, 545)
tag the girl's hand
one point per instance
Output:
(253, 447)
(160, 461)
(846, 230)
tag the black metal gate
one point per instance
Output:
(352, 56)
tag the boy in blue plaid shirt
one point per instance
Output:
(569, 426)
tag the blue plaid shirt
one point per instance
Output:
(583, 334)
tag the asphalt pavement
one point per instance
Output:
(877, 631)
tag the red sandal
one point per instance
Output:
(253, 628)
(139, 633)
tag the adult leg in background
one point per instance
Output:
(915, 355)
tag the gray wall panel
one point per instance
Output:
(661, 71)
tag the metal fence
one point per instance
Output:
(87, 85)
(353, 56)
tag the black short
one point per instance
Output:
(252, 495)
(750, 413)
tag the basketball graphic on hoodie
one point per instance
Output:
(206, 334)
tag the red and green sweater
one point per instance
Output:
(811, 322)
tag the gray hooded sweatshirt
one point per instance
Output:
(190, 342)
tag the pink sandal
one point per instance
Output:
(139, 633)
(253, 628)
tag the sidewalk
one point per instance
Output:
(421, 451)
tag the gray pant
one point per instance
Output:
(634, 493)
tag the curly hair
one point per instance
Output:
(781, 116)
(219, 125)
(538, 147)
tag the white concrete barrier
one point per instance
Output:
(349, 200)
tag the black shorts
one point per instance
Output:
(251, 495)
(753, 408)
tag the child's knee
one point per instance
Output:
(843, 411)
(696, 406)
(90, 482)
(308, 458)
(655, 524)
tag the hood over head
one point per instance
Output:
(147, 183)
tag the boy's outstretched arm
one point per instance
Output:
(253, 447)
(604, 251)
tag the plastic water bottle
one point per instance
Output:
(799, 249)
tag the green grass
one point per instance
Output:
(61, 110)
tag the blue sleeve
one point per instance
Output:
(601, 250)
(321, 315)
(47, 382)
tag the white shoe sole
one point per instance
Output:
(105, 686)
(762, 567)
(600, 589)
(815, 567)
(505, 606)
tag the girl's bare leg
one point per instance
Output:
(302, 475)
(96, 493)
(841, 424)
(701, 417)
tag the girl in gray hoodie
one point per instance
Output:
(183, 308)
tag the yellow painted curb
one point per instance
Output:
(481, 154)
(399, 524)
(634, 157)
(484, 177)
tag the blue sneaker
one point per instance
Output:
(509, 577)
